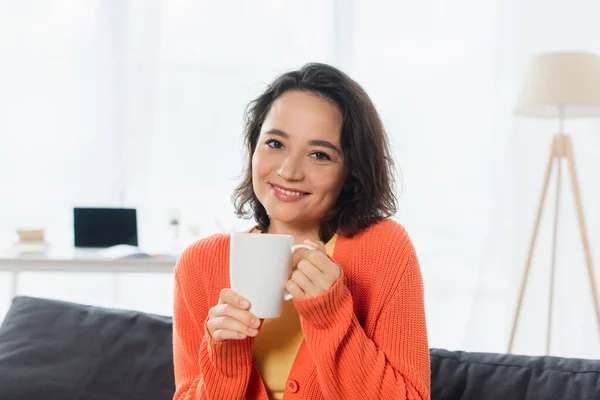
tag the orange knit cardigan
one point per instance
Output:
(365, 338)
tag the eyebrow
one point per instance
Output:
(316, 142)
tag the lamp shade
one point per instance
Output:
(561, 83)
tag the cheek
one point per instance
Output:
(261, 168)
(257, 165)
(332, 186)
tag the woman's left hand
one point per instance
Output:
(315, 273)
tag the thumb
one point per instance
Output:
(320, 246)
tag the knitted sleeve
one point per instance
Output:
(391, 364)
(204, 369)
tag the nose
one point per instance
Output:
(291, 169)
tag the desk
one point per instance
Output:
(79, 264)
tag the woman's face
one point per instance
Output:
(298, 165)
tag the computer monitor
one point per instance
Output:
(104, 227)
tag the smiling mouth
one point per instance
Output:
(288, 192)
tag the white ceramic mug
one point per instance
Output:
(259, 268)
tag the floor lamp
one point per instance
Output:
(560, 85)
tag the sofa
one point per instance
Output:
(53, 349)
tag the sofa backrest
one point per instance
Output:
(460, 375)
(52, 349)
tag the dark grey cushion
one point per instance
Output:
(460, 375)
(58, 350)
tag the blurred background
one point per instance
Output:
(140, 104)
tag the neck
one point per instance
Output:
(299, 231)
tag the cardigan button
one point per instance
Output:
(292, 385)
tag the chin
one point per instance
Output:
(287, 216)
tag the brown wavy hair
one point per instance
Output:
(368, 194)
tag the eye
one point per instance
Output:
(319, 155)
(274, 144)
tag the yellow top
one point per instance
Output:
(277, 344)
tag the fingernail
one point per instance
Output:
(254, 322)
(241, 335)
(252, 331)
(244, 303)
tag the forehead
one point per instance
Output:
(302, 114)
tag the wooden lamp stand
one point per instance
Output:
(561, 150)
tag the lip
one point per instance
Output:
(289, 189)
(284, 197)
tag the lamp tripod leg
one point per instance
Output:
(553, 262)
(532, 243)
(584, 238)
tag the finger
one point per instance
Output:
(316, 276)
(243, 316)
(222, 335)
(229, 324)
(230, 296)
(295, 290)
(330, 270)
(298, 255)
(307, 286)
(320, 246)
(319, 260)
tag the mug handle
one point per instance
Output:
(295, 247)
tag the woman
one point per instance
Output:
(318, 168)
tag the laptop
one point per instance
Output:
(100, 228)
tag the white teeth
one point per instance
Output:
(288, 192)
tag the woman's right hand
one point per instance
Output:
(230, 318)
